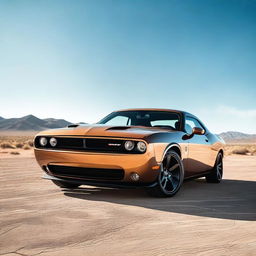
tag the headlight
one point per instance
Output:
(53, 142)
(141, 146)
(43, 141)
(129, 145)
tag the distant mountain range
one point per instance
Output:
(238, 137)
(33, 123)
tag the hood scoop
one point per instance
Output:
(119, 128)
(73, 125)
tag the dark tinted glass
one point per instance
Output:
(163, 119)
(191, 123)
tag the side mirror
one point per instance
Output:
(198, 131)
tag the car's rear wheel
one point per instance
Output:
(217, 172)
(65, 184)
(170, 177)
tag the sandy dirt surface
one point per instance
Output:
(38, 218)
(7, 153)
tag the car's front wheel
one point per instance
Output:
(217, 172)
(170, 177)
(65, 184)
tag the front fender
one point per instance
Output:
(161, 149)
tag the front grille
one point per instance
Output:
(72, 143)
(86, 173)
(88, 144)
(109, 145)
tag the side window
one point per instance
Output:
(119, 121)
(171, 123)
(191, 123)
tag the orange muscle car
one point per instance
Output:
(153, 148)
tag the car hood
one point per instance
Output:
(137, 132)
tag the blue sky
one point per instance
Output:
(79, 60)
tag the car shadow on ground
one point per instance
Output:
(231, 199)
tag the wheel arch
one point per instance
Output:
(174, 147)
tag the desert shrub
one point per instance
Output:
(228, 153)
(6, 145)
(240, 151)
(19, 145)
(30, 143)
(14, 153)
(26, 147)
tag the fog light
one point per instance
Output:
(53, 142)
(135, 176)
(43, 141)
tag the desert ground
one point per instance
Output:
(38, 218)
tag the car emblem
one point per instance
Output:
(114, 144)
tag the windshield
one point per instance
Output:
(162, 119)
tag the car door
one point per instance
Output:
(199, 149)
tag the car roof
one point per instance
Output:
(155, 109)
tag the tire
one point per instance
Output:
(63, 184)
(217, 172)
(170, 177)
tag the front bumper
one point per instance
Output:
(143, 164)
(110, 184)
